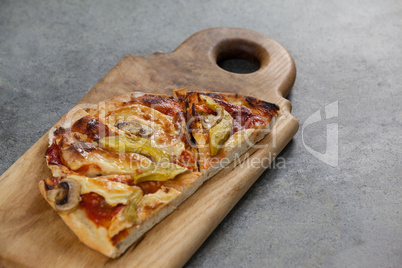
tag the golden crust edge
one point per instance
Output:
(86, 231)
(235, 97)
(96, 237)
(136, 232)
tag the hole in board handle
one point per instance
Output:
(240, 56)
(239, 66)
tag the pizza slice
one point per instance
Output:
(225, 126)
(119, 167)
(122, 165)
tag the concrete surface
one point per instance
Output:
(302, 212)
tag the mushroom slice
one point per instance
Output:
(66, 196)
(134, 127)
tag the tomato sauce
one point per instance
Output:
(150, 187)
(53, 154)
(243, 117)
(205, 109)
(98, 210)
(168, 106)
(187, 160)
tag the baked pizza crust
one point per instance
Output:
(233, 154)
(249, 135)
(96, 237)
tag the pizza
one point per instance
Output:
(225, 126)
(122, 165)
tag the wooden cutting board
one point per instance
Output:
(31, 232)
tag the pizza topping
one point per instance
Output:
(113, 192)
(205, 109)
(94, 161)
(144, 115)
(237, 139)
(98, 210)
(83, 147)
(244, 117)
(187, 160)
(151, 203)
(267, 108)
(162, 171)
(66, 196)
(211, 119)
(130, 212)
(126, 179)
(51, 183)
(161, 130)
(219, 133)
(150, 187)
(134, 127)
(92, 127)
(179, 120)
(139, 209)
(167, 106)
(133, 145)
(53, 154)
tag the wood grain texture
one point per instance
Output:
(31, 231)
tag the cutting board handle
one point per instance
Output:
(276, 66)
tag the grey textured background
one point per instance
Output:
(301, 212)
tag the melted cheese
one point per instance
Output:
(165, 135)
(152, 203)
(92, 162)
(149, 205)
(237, 139)
(118, 193)
(118, 224)
(114, 192)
